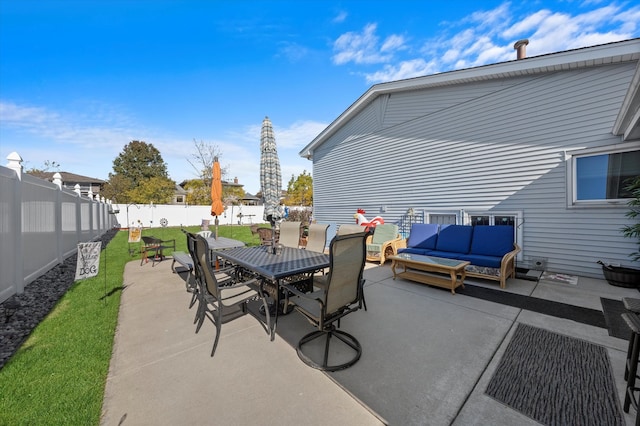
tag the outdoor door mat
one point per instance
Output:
(543, 306)
(615, 324)
(559, 278)
(556, 379)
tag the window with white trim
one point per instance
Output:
(598, 177)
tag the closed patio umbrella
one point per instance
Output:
(217, 208)
(270, 176)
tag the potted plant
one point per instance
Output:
(620, 275)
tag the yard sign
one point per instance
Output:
(88, 260)
(135, 232)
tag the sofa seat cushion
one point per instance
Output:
(492, 240)
(482, 260)
(423, 235)
(454, 238)
(413, 250)
(445, 254)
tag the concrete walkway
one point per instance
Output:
(427, 357)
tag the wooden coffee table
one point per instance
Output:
(415, 265)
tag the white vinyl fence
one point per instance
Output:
(41, 224)
(157, 215)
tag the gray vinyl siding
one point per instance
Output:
(494, 146)
(403, 107)
(366, 123)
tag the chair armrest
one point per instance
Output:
(369, 239)
(167, 245)
(386, 244)
(227, 275)
(251, 282)
(291, 288)
(507, 264)
(400, 243)
(230, 270)
(509, 256)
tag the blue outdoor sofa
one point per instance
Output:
(490, 249)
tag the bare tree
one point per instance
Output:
(202, 160)
(47, 166)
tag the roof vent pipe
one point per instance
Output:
(521, 47)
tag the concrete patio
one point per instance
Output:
(427, 357)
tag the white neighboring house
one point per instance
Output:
(543, 143)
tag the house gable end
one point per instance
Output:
(611, 53)
(503, 150)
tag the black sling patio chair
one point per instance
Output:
(353, 229)
(224, 295)
(154, 247)
(338, 296)
(317, 237)
(193, 280)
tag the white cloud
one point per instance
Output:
(486, 37)
(393, 42)
(62, 127)
(597, 17)
(298, 134)
(293, 51)
(491, 20)
(598, 38)
(629, 20)
(457, 46)
(295, 136)
(492, 53)
(364, 47)
(526, 25)
(405, 69)
(12, 115)
(340, 17)
(89, 146)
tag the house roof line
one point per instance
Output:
(626, 124)
(66, 177)
(604, 54)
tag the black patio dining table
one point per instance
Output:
(274, 269)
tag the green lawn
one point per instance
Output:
(58, 375)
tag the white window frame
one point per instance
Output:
(571, 179)
(444, 212)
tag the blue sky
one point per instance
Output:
(81, 79)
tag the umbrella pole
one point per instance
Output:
(216, 235)
(273, 236)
